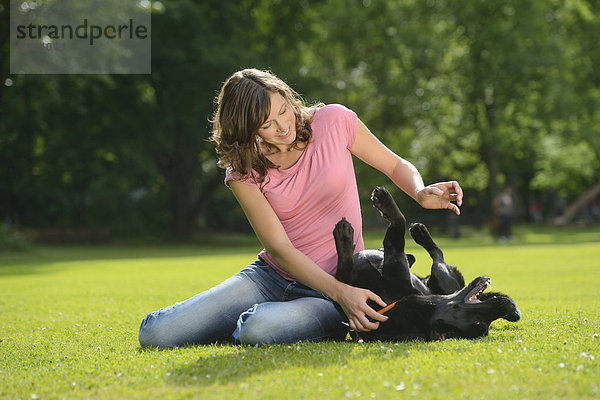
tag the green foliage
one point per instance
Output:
(568, 164)
(487, 93)
(70, 318)
(12, 240)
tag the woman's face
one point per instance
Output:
(280, 127)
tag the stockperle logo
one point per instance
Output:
(80, 37)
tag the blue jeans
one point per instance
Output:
(255, 306)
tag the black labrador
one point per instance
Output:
(436, 307)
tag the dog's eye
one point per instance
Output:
(478, 325)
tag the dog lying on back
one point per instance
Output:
(436, 307)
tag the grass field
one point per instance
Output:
(69, 318)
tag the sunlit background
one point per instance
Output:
(490, 93)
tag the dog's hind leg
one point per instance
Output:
(396, 266)
(343, 234)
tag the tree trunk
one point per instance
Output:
(189, 193)
(490, 155)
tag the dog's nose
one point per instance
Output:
(513, 317)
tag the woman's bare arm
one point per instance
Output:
(438, 195)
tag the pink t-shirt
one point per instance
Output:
(315, 193)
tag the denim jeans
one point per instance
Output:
(255, 306)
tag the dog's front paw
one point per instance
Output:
(343, 233)
(420, 234)
(384, 202)
(381, 199)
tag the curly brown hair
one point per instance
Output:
(243, 105)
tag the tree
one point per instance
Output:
(488, 93)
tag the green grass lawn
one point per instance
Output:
(69, 318)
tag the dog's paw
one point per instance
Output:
(384, 202)
(381, 199)
(343, 233)
(421, 235)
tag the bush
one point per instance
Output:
(11, 239)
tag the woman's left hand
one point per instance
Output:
(441, 195)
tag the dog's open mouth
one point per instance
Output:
(473, 296)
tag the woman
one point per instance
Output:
(290, 168)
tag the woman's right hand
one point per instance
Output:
(353, 301)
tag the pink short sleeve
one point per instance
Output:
(344, 120)
(236, 176)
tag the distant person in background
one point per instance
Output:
(290, 168)
(537, 212)
(504, 208)
(453, 226)
(590, 212)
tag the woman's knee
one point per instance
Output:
(303, 319)
(155, 332)
(255, 328)
(270, 323)
(149, 334)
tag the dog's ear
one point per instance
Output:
(411, 260)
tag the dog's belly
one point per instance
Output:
(367, 260)
(374, 258)
(419, 285)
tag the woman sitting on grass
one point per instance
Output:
(290, 168)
